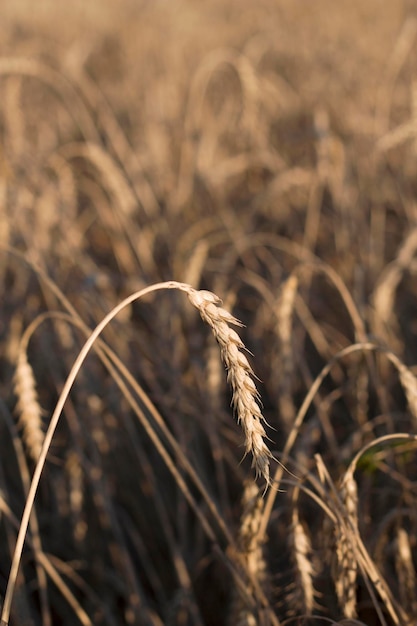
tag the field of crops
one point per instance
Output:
(208, 313)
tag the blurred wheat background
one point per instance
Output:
(263, 151)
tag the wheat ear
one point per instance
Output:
(302, 593)
(346, 566)
(28, 408)
(406, 572)
(250, 556)
(239, 373)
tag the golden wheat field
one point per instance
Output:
(208, 313)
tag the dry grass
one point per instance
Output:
(258, 153)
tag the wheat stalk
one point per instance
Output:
(245, 398)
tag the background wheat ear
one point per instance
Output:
(245, 398)
(27, 406)
(346, 566)
(251, 557)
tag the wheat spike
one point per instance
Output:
(28, 408)
(346, 567)
(303, 594)
(406, 572)
(239, 374)
(250, 555)
(76, 494)
(409, 383)
(285, 360)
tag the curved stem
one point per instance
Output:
(17, 555)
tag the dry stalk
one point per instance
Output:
(15, 120)
(402, 133)
(414, 112)
(362, 393)
(196, 263)
(403, 46)
(67, 185)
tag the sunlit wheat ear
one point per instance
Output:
(239, 373)
(28, 408)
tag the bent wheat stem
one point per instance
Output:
(239, 375)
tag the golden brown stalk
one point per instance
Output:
(245, 394)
